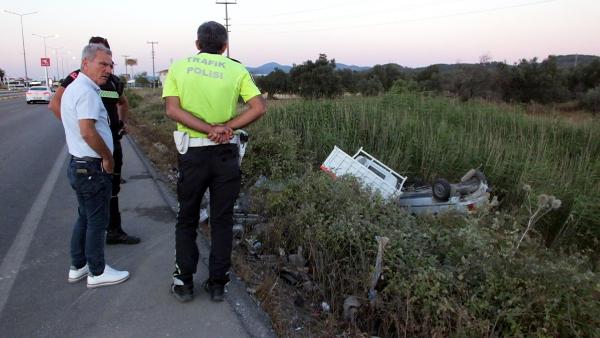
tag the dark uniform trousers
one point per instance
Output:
(215, 168)
(114, 226)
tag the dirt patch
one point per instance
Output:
(159, 214)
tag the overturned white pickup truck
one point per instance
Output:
(470, 193)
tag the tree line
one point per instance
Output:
(526, 81)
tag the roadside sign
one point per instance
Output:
(45, 62)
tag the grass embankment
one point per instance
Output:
(151, 128)
(446, 276)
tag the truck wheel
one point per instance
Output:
(441, 189)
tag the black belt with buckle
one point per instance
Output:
(86, 159)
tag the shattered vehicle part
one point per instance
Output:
(381, 243)
(351, 305)
(297, 260)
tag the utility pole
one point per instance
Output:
(153, 73)
(226, 2)
(125, 64)
(44, 37)
(22, 37)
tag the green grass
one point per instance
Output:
(434, 136)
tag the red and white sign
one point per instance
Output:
(45, 62)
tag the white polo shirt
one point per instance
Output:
(81, 100)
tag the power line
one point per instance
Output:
(481, 11)
(345, 4)
(226, 3)
(329, 18)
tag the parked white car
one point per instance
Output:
(39, 94)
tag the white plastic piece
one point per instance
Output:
(367, 168)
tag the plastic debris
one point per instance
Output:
(254, 246)
(351, 305)
(291, 277)
(297, 260)
(161, 147)
(238, 231)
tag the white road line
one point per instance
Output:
(11, 263)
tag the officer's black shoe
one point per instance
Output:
(216, 290)
(183, 293)
(121, 238)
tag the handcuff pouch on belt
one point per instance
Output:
(182, 141)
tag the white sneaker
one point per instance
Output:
(110, 276)
(75, 275)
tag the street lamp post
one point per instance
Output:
(22, 37)
(58, 77)
(44, 37)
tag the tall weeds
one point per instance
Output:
(429, 136)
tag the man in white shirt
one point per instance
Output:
(90, 144)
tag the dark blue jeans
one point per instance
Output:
(93, 189)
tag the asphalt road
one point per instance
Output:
(37, 211)
(30, 141)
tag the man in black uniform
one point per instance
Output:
(116, 105)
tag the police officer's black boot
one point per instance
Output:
(216, 288)
(114, 233)
(182, 287)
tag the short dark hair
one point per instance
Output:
(100, 40)
(212, 36)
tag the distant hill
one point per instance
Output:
(269, 67)
(567, 61)
(351, 67)
(564, 61)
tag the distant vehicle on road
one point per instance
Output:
(14, 84)
(39, 94)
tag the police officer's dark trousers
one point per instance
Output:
(215, 168)
(114, 227)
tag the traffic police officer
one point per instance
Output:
(201, 94)
(116, 105)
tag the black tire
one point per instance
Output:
(480, 176)
(441, 190)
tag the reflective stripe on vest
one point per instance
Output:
(109, 94)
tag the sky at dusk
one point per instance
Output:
(364, 33)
